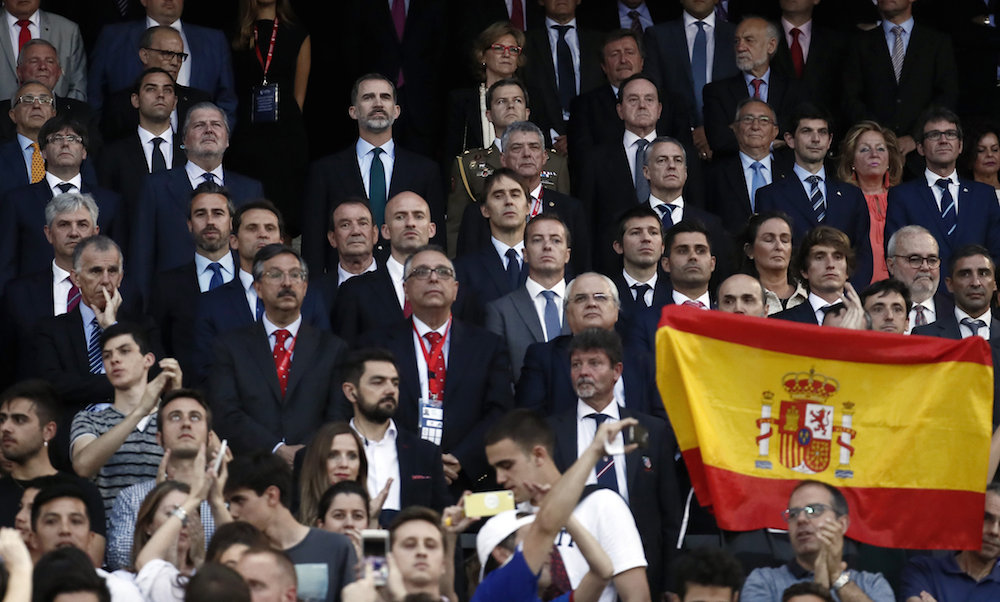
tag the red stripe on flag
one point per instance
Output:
(856, 346)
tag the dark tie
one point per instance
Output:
(399, 17)
(513, 269)
(208, 177)
(816, 198)
(159, 162)
(699, 65)
(376, 185)
(605, 467)
(833, 308)
(797, 59)
(757, 83)
(94, 348)
(640, 293)
(756, 182)
(949, 219)
(517, 15)
(721, 12)
(72, 298)
(898, 53)
(25, 34)
(216, 280)
(551, 314)
(65, 187)
(259, 310)
(666, 217)
(636, 23)
(973, 325)
(122, 7)
(282, 358)
(565, 70)
(641, 183)
(920, 318)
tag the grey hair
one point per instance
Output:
(69, 202)
(521, 126)
(607, 282)
(750, 99)
(430, 247)
(36, 42)
(203, 105)
(911, 230)
(100, 242)
(271, 251)
(13, 98)
(664, 140)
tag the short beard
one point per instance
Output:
(375, 413)
(377, 125)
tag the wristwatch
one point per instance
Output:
(182, 514)
(835, 586)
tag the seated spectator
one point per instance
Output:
(912, 258)
(825, 258)
(639, 241)
(708, 574)
(817, 517)
(335, 454)
(21, 162)
(343, 509)
(767, 247)
(268, 571)
(742, 294)
(352, 231)
(981, 159)
(31, 23)
(887, 304)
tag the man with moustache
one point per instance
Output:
(912, 258)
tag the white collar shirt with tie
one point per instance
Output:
(61, 285)
(984, 330)
(502, 248)
(166, 147)
(765, 171)
(629, 141)
(631, 282)
(535, 292)
(691, 30)
(703, 299)
(196, 175)
(805, 35)
(818, 303)
(14, 30)
(676, 212)
(930, 314)
(54, 182)
(586, 430)
(932, 179)
(201, 267)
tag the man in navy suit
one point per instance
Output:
(159, 233)
(956, 211)
(533, 312)
(645, 478)
(21, 161)
(545, 385)
(641, 286)
(912, 258)
(456, 375)
(826, 259)
(813, 198)
(353, 233)
(265, 396)
(375, 168)
(114, 64)
(23, 247)
(973, 283)
(371, 384)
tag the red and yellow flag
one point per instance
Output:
(900, 424)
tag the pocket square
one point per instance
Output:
(420, 477)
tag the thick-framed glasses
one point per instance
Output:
(915, 261)
(423, 272)
(279, 276)
(811, 511)
(502, 48)
(30, 99)
(169, 55)
(937, 134)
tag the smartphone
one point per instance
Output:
(637, 434)
(219, 456)
(375, 547)
(489, 503)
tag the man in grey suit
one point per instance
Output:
(23, 21)
(533, 313)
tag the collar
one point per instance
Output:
(24, 141)
(12, 20)
(629, 280)
(343, 275)
(704, 298)
(631, 137)
(907, 26)
(58, 274)
(749, 77)
(226, 261)
(194, 173)
(246, 279)
(709, 20)
(747, 161)
(86, 313)
(502, 248)
(76, 180)
(363, 147)
(390, 432)
(146, 137)
(802, 173)
(654, 202)
(536, 192)
(175, 25)
(817, 302)
(497, 143)
(535, 289)
(293, 328)
(797, 570)
(932, 177)
(394, 268)
(987, 316)
(583, 410)
(805, 29)
(423, 329)
(549, 22)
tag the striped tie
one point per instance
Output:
(816, 198)
(94, 348)
(897, 52)
(949, 219)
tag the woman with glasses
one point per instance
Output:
(497, 55)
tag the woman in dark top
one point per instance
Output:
(271, 62)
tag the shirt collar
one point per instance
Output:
(549, 22)
(145, 136)
(246, 279)
(502, 247)
(195, 173)
(747, 161)
(709, 20)
(226, 262)
(907, 26)
(24, 141)
(629, 280)
(802, 173)
(535, 289)
(58, 274)
(816, 302)
(704, 298)
(394, 268)
(363, 147)
(766, 78)
(806, 28)
(932, 177)
(423, 328)
(12, 20)
(986, 317)
(390, 433)
(631, 137)
(292, 328)
(583, 410)
(343, 275)
(76, 180)
(175, 25)
(678, 202)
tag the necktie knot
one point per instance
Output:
(598, 418)
(433, 337)
(641, 144)
(694, 304)
(701, 25)
(641, 289)
(973, 325)
(65, 187)
(513, 259)
(796, 32)
(549, 295)
(757, 166)
(157, 141)
(757, 83)
(943, 183)
(898, 30)
(280, 336)
(377, 151)
(832, 308)
(208, 177)
(920, 318)
(22, 23)
(562, 29)
(814, 181)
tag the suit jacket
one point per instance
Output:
(115, 63)
(13, 173)
(72, 107)
(513, 317)
(421, 473)
(728, 197)
(978, 217)
(119, 118)
(822, 70)
(654, 495)
(929, 78)
(669, 63)
(722, 96)
(545, 385)
(482, 278)
(246, 397)
(332, 179)
(123, 168)
(603, 16)
(26, 300)
(630, 306)
(477, 388)
(365, 303)
(802, 313)
(23, 246)
(160, 237)
(722, 244)
(65, 36)
(846, 210)
(539, 75)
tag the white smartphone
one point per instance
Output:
(220, 456)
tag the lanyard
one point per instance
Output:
(270, 49)
(434, 350)
(536, 205)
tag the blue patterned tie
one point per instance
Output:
(216, 280)
(949, 219)
(756, 182)
(513, 270)
(666, 215)
(605, 467)
(553, 327)
(973, 325)
(94, 348)
(260, 309)
(816, 198)
(699, 66)
(641, 183)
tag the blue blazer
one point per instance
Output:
(802, 313)
(13, 173)
(114, 63)
(160, 237)
(482, 277)
(846, 210)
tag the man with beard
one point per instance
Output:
(966, 575)
(374, 168)
(279, 409)
(912, 258)
(408, 465)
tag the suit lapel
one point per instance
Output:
(565, 424)
(459, 355)
(6, 49)
(678, 41)
(78, 337)
(737, 182)
(623, 172)
(966, 219)
(407, 468)
(631, 459)
(180, 188)
(495, 269)
(525, 308)
(306, 347)
(260, 351)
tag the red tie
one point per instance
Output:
(756, 87)
(436, 369)
(694, 304)
(25, 34)
(517, 15)
(72, 298)
(797, 60)
(560, 579)
(399, 21)
(282, 358)
(407, 309)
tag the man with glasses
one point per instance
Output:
(21, 159)
(817, 517)
(273, 383)
(454, 377)
(957, 212)
(913, 259)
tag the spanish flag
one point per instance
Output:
(900, 424)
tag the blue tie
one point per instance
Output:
(666, 217)
(376, 187)
(641, 183)
(949, 219)
(216, 280)
(757, 182)
(605, 467)
(564, 69)
(816, 198)
(260, 309)
(513, 270)
(208, 177)
(552, 326)
(699, 66)
(973, 325)
(94, 348)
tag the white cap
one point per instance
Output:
(496, 530)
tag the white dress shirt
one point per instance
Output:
(573, 41)
(395, 270)
(586, 429)
(746, 161)
(676, 212)
(205, 274)
(765, 87)
(184, 75)
(292, 328)
(630, 282)
(363, 149)
(535, 292)
(890, 38)
(629, 141)
(383, 464)
(645, 19)
(343, 275)
(195, 173)
(14, 30)
(818, 303)
(679, 299)
(802, 173)
(166, 147)
(805, 36)
(502, 248)
(246, 279)
(61, 285)
(932, 179)
(984, 332)
(53, 181)
(930, 314)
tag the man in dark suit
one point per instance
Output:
(371, 384)
(554, 77)
(673, 47)
(457, 376)
(756, 43)
(159, 232)
(641, 286)
(913, 259)
(24, 21)
(607, 16)
(23, 247)
(21, 161)
(933, 200)
(645, 477)
(973, 283)
(533, 312)
(265, 397)
(353, 234)
(125, 163)
(545, 385)
(114, 64)
(927, 74)
(812, 198)
(374, 168)
(826, 259)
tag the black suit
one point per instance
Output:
(246, 396)
(26, 300)
(802, 313)
(119, 118)
(482, 278)
(722, 96)
(821, 71)
(654, 495)
(421, 473)
(332, 179)
(722, 244)
(728, 197)
(632, 306)
(365, 303)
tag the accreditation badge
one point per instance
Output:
(264, 104)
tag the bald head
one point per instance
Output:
(408, 224)
(742, 294)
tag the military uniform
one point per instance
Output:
(469, 171)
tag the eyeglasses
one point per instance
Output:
(59, 139)
(30, 99)
(584, 297)
(279, 276)
(811, 511)
(169, 55)
(423, 272)
(501, 49)
(937, 134)
(751, 119)
(915, 261)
